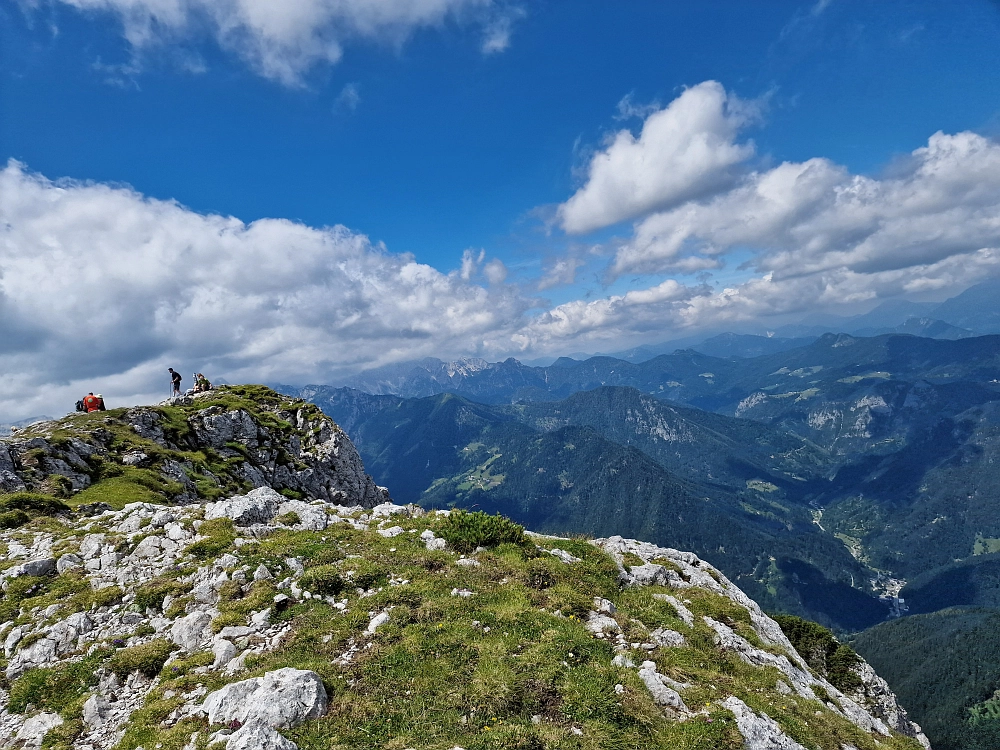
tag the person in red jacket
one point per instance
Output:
(91, 403)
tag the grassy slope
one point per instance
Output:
(448, 670)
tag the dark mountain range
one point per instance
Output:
(926, 327)
(745, 346)
(892, 437)
(976, 308)
(711, 383)
(971, 582)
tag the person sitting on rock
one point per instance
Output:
(101, 406)
(92, 403)
(201, 383)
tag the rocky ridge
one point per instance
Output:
(256, 619)
(192, 448)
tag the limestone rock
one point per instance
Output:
(687, 617)
(598, 623)
(34, 729)
(310, 517)
(68, 562)
(189, 632)
(726, 638)
(58, 640)
(257, 506)
(667, 638)
(876, 696)
(152, 546)
(281, 699)
(760, 731)
(258, 736)
(377, 621)
(40, 567)
(604, 606)
(662, 694)
(95, 710)
(224, 652)
(565, 556)
(91, 546)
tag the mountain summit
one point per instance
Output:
(220, 572)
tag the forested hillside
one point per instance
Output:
(945, 667)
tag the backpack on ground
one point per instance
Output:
(80, 406)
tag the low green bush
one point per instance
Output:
(540, 574)
(18, 590)
(151, 595)
(12, 519)
(64, 736)
(467, 530)
(367, 574)
(147, 658)
(33, 501)
(822, 651)
(218, 537)
(323, 579)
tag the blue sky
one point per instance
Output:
(447, 127)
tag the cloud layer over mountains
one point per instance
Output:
(99, 282)
(811, 233)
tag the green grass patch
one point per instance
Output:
(218, 534)
(55, 688)
(822, 651)
(151, 595)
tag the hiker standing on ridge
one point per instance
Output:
(175, 381)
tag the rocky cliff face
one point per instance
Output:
(268, 620)
(191, 448)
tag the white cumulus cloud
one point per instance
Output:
(283, 40)
(816, 217)
(684, 152)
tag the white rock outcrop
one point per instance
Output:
(281, 699)
(659, 687)
(257, 506)
(760, 731)
(191, 631)
(257, 735)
